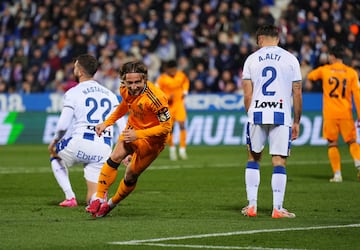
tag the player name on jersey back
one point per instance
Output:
(269, 56)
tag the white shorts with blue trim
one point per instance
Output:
(91, 151)
(278, 136)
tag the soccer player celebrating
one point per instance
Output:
(148, 126)
(175, 84)
(271, 78)
(340, 85)
(75, 140)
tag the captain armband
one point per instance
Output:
(163, 115)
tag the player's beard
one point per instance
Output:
(77, 78)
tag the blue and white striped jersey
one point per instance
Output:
(272, 70)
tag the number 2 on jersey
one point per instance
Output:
(95, 109)
(265, 72)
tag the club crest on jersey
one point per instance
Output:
(268, 104)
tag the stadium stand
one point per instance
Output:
(210, 39)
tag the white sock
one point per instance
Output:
(252, 182)
(62, 177)
(94, 197)
(182, 150)
(278, 184)
(111, 204)
(357, 163)
(337, 173)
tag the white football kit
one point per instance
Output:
(85, 106)
(272, 70)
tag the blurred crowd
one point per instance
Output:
(209, 39)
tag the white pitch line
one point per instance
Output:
(216, 247)
(47, 169)
(139, 242)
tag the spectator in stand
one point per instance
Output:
(235, 13)
(69, 82)
(266, 16)
(227, 82)
(184, 64)
(166, 49)
(307, 53)
(45, 77)
(198, 87)
(3, 86)
(36, 59)
(25, 46)
(226, 60)
(28, 85)
(187, 39)
(79, 46)
(192, 78)
(17, 76)
(211, 83)
(352, 42)
(248, 21)
(5, 73)
(152, 62)
(244, 52)
(7, 22)
(54, 60)
(153, 27)
(326, 22)
(201, 72)
(9, 50)
(20, 58)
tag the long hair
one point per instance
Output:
(133, 67)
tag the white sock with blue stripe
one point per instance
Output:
(252, 182)
(278, 184)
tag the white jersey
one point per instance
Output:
(91, 103)
(272, 70)
(85, 106)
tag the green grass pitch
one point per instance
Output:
(191, 204)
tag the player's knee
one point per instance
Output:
(130, 178)
(130, 181)
(255, 156)
(112, 163)
(278, 160)
(182, 126)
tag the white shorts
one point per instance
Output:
(92, 152)
(279, 137)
